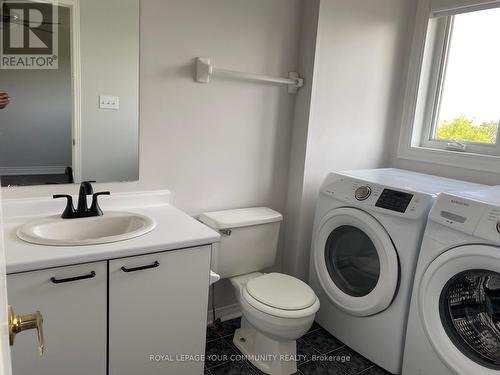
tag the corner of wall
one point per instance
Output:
(294, 228)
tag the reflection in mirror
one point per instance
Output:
(69, 87)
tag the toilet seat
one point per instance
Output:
(281, 291)
(280, 295)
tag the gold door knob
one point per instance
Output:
(20, 323)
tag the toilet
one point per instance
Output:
(277, 309)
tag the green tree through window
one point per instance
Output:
(463, 129)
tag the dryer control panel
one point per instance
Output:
(394, 200)
(385, 199)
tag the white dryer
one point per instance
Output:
(454, 323)
(367, 233)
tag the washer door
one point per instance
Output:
(356, 262)
(459, 306)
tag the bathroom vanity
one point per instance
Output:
(129, 307)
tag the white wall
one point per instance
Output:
(358, 55)
(456, 172)
(296, 235)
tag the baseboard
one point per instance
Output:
(36, 170)
(225, 312)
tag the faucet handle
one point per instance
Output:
(94, 208)
(69, 211)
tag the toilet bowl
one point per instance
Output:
(277, 309)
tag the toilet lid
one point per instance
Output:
(281, 291)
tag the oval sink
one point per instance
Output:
(111, 227)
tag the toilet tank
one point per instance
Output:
(249, 239)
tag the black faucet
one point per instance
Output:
(85, 189)
(82, 208)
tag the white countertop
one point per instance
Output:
(174, 230)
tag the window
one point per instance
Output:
(455, 104)
(465, 113)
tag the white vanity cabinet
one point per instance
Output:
(73, 302)
(127, 316)
(158, 312)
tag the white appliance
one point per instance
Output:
(454, 323)
(368, 229)
(277, 309)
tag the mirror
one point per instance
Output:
(69, 91)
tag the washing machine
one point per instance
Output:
(454, 323)
(367, 234)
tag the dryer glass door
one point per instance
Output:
(356, 261)
(352, 260)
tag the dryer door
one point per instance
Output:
(459, 306)
(356, 262)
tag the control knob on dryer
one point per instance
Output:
(362, 193)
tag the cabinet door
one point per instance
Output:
(74, 320)
(158, 308)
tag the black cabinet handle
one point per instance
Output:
(154, 265)
(70, 279)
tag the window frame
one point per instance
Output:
(425, 81)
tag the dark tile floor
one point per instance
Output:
(337, 358)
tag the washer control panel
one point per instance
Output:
(467, 215)
(489, 226)
(458, 213)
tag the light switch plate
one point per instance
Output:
(109, 102)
